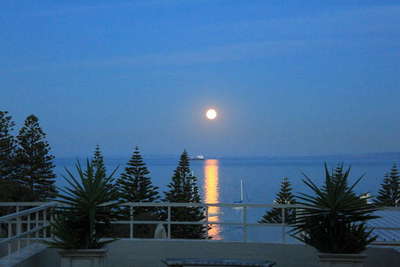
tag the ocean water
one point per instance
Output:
(219, 182)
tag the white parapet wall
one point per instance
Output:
(143, 253)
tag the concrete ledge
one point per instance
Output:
(143, 253)
(149, 252)
(23, 255)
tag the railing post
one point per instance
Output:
(207, 222)
(17, 209)
(9, 243)
(37, 223)
(29, 228)
(283, 225)
(52, 214)
(18, 232)
(169, 222)
(244, 223)
(44, 223)
(131, 222)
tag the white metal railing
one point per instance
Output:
(29, 219)
(392, 224)
(243, 223)
(387, 227)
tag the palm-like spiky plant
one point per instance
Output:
(89, 207)
(333, 220)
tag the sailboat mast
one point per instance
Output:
(241, 191)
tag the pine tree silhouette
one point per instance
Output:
(135, 185)
(7, 146)
(284, 196)
(33, 161)
(98, 163)
(183, 188)
(389, 194)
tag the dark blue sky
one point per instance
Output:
(288, 77)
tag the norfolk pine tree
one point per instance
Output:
(98, 163)
(99, 167)
(7, 146)
(389, 194)
(284, 196)
(135, 185)
(34, 161)
(338, 174)
(183, 188)
(10, 188)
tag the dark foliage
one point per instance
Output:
(334, 218)
(284, 196)
(339, 175)
(12, 191)
(183, 188)
(98, 163)
(7, 146)
(90, 207)
(134, 185)
(33, 161)
(389, 194)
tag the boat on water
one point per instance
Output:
(241, 196)
(198, 157)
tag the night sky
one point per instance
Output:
(286, 77)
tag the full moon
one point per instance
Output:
(211, 114)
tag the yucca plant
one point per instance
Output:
(333, 218)
(89, 205)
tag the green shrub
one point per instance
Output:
(89, 206)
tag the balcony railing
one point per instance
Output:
(30, 221)
(243, 223)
